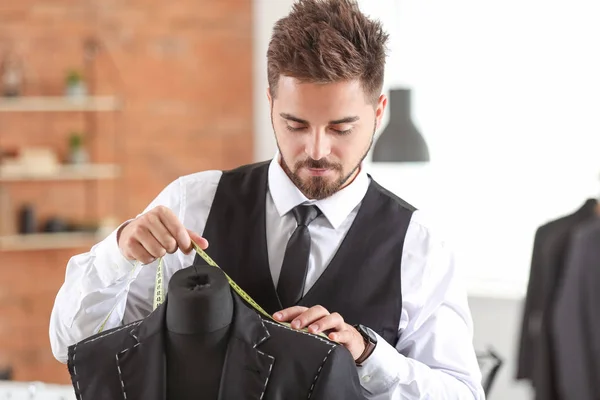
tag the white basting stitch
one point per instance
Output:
(120, 375)
(75, 373)
(263, 339)
(306, 333)
(125, 351)
(319, 372)
(115, 331)
(268, 375)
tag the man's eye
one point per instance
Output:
(342, 132)
(295, 128)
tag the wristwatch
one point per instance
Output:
(370, 343)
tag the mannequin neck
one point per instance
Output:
(199, 302)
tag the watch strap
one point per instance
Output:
(369, 344)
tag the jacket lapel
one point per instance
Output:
(246, 370)
(142, 367)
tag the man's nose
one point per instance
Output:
(318, 146)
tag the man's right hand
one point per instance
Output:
(154, 234)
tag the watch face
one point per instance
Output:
(367, 333)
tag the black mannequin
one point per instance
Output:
(199, 312)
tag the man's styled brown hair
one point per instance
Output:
(326, 41)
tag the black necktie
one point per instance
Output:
(290, 287)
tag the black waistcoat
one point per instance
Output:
(362, 281)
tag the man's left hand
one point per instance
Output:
(318, 320)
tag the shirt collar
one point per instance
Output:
(336, 208)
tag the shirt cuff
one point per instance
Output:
(375, 373)
(115, 267)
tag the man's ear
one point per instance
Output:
(269, 96)
(381, 104)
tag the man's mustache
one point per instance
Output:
(317, 164)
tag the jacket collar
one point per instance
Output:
(589, 208)
(142, 366)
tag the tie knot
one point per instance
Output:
(305, 214)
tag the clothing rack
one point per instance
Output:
(490, 363)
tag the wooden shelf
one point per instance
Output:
(63, 173)
(46, 241)
(58, 104)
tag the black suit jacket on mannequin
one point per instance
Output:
(264, 360)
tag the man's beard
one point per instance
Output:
(318, 187)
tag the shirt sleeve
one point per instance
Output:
(95, 291)
(434, 357)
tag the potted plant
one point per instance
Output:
(75, 85)
(11, 71)
(77, 151)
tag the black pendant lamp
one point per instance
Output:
(400, 141)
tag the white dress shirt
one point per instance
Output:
(434, 358)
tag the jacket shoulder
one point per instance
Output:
(280, 333)
(318, 366)
(115, 335)
(92, 360)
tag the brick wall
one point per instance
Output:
(184, 71)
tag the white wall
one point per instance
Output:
(266, 13)
(507, 95)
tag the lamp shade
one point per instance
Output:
(400, 141)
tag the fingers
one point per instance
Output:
(149, 242)
(182, 236)
(342, 337)
(175, 227)
(333, 322)
(302, 317)
(289, 314)
(162, 234)
(156, 233)
(142, 246)
(318, 320)
(199, 240)
(350, 339)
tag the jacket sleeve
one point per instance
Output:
(337, 379)
(531, 319)
(591, 319)
(98, 290)
(576, 323)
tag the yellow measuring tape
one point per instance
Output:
(159, 294)
(159, 290)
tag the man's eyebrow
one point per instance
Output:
(345, 120)
(292, 118)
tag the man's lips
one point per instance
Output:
(318, 171)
